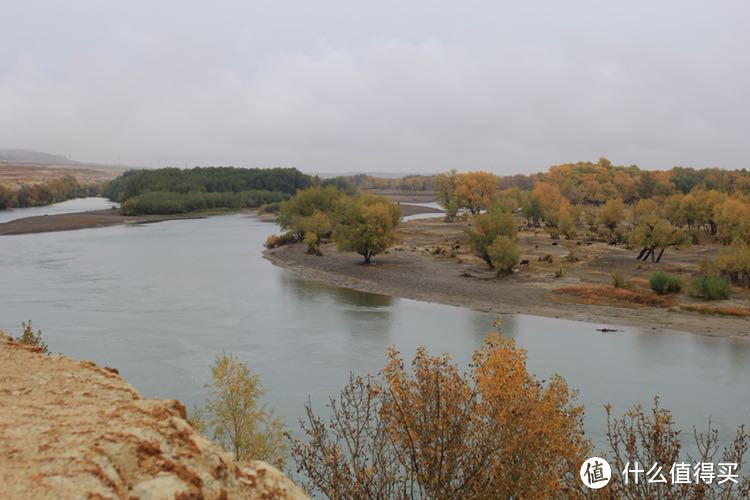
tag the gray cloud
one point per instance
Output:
(335, 86)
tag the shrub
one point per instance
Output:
(28, 337)
(663, 283)
(618, 280)
(277, 240)
(710, 288)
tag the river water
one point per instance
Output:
(65, 207)
(159, 301)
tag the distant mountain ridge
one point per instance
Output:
(35, 157)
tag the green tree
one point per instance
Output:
(445, 184)
(485, 230)
(367, 225)
(293, 212)
(503, 254)
(232, 411)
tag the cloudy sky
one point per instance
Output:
(393, 86)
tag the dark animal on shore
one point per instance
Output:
(554, 243)
(524, 262)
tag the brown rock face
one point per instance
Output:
(72, 429)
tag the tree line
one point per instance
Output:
(652, 211)
(45, 193)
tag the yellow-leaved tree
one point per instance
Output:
(366, 224)
(235, 417)
(476, 191)
(431, 431)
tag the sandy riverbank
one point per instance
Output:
(419, 269)
(81, 220)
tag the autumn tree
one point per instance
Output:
(317, 226)
(486, 228)
(609, 217)
(645, 438)
(731, 217)
(431, 431)
(366, 224)
(476, 191)
(236, 418)
(652, 233)
(734, 263)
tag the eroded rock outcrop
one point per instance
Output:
(72, 429)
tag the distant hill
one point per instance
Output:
(34, 157)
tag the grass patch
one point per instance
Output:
(741, 312)
(606, 295)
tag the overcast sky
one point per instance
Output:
(378, 86)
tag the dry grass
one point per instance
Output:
(742, 312)
(609, 295)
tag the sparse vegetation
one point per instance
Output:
(710, 288)
(29, 337)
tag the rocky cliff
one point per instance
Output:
(72, 429)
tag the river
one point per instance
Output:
(159, 301)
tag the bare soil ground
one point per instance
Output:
(72, 429)
(14, 175)
(434, 263)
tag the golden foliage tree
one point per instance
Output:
(476, 191)
(432, 431)
(317, 226)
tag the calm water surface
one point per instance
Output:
(65, 207)
(159, 301)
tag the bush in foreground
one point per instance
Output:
(710, 288)
(433, 432)
(663, 283)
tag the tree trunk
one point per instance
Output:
(660, 254)
(640, 255)
(368, 256)
(649, 251)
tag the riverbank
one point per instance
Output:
(112, 217)
(72, 429)
(433, 264)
